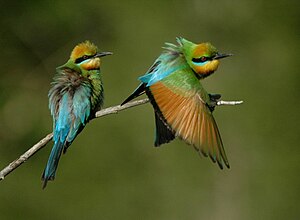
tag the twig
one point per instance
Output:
(221, 102)
(118, 108)
(35, 148)
(107, 111)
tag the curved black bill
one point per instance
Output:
(102, 54)
(220, 56)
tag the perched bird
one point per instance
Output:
(76, 94)
(182, 106)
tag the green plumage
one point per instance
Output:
(182, 106)
(76, 94)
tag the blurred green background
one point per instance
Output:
(112, 170)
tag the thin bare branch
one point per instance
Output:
(107, 111)
(221, 102)
(118, 108)
(35, 148)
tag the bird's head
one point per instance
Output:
(203, 58)
(86, 56)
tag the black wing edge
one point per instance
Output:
(163, 133)
(137, 92)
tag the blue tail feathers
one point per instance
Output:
(49, 172)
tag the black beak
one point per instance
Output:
(220, 56)
(102, 54)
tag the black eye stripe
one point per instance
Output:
(84, 57)
(201, 59)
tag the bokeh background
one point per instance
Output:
(112, 170)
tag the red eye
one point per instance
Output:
(203, 59)
(200, 60)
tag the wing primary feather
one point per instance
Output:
(215, 146)
(209, 143)
(164, 133)
(202, 144)
(220, 145)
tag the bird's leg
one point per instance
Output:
(214, 98)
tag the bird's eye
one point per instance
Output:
(200, 59)
(203, 59)
(85, 57)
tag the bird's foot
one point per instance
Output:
(214, 98)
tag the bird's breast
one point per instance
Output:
(207, 69)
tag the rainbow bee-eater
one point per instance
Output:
(76, 94)
(182, 107)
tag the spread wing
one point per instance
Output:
(182, 107)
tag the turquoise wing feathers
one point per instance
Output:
(75, 96)
(70, 108)
(168, 62)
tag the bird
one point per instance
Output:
(75, 95)
(182, 107)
